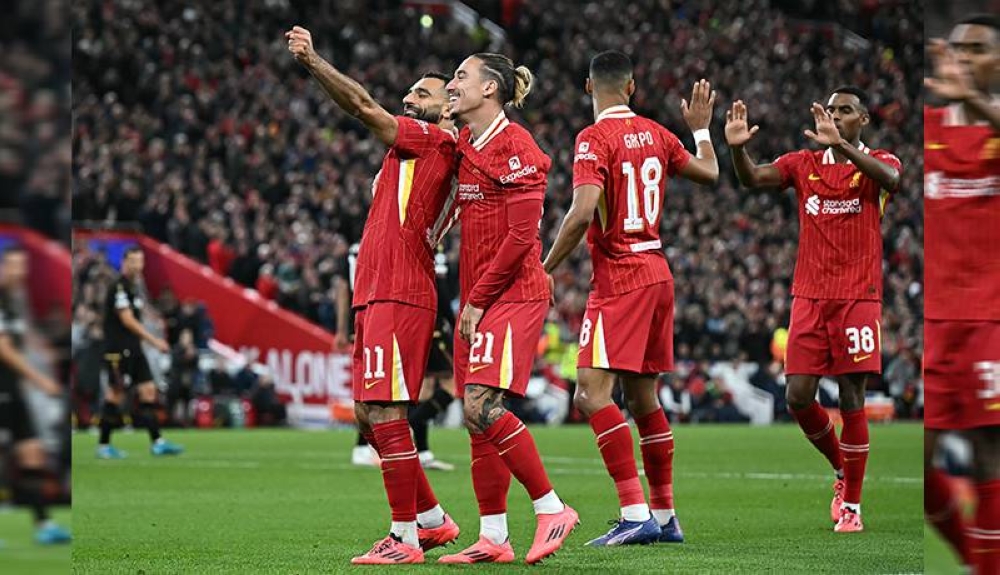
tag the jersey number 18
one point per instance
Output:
(651, 173)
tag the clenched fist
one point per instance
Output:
(300, 44)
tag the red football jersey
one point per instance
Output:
(630, 158)
(961, 218)
(501, 188)
(840, 216)
(411, 190)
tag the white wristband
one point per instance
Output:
(702, 135)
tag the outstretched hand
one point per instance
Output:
(698, 114)
(737, 130)
(826, 132)
(951, 80)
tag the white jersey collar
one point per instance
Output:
(621, 111)
(829, 158)
(497, 126)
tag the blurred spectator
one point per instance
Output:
(269, 410)
(185, 378)
(88, 353)
(35, 152)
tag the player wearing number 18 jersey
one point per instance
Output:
(962, 283)
(620, 170)
(837, 288)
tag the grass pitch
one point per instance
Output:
(18, 552)
(750, 500)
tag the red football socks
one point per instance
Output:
(490, 476)
(854, 446)
(517, 448)
(657, 443)
(400, 467)
(816, 424)
(985, 536)
(942, 510)
(425, 495)
(614, 440)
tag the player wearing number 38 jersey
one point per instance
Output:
(837, 288)
(620, 172)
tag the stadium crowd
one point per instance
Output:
(35, 147)
(197, 124)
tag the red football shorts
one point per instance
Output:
(630, 332)
(503, 350)
(961, 374)
(834, 337)
(391, 343)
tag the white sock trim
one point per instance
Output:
(638, 512)
(663, 516)
(855, 507)
(494, 528)
(433, 517)
(407, 531)
(548, 503)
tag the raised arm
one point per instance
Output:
(703, 168)
(826, 134)
(348, 94)
(738, 133)
(574, 225)
(953, 82)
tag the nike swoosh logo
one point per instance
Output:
(993, 407)
(372, 384)
(862, 358)
(475, 368)
(508, 449)
(935, 146)
(813, 177)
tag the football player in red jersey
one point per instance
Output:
(620, 169)
(395, 292)
(837, 288)
(504, 295)
(962, 282)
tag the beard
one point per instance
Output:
(429, 116)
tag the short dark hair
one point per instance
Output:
(132, 249)
(438, 75)
(854, 91)
(988, 20)
(611, 67)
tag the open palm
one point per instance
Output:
(738, 131)
(951, 80)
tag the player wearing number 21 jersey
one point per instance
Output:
(837, 289)
(620, 171)
(504, 296)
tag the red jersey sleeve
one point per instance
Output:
(524, 212)
(788, 165)
(887, 157)
(415, 138)
(677, 155)
(523, 170)
(590, 163)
